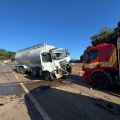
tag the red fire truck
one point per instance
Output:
(101, 65)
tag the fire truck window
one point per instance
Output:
(91, 55)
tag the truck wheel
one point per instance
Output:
(101, 80)
(47, 76)
(18, 70)
(69, 69)
(34, 73)
(23, 70)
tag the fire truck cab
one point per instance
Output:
(100, 65)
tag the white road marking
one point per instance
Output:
(39, 108)
(6, 85)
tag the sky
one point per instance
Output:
(62, 23)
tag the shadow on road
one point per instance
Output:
(69, 105)
(113, 90)
(30, 77)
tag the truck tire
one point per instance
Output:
(47, 76)
(69, 68)
(34, 73)
(101, 80)
(23, 70)
(18, 70)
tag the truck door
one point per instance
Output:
(46, 61)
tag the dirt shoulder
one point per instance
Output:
(13, 108)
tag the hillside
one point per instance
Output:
(4, 54)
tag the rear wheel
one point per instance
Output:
(18, 70)
(34, 73)
(23, 70)
(101, 80)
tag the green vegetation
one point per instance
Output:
(4, 54)
(106, 35)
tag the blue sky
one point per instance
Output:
(63, 23)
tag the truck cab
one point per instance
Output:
(100, 65)
(56, 61)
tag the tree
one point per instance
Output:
(118, 24)
(4, 54)
(106, 35)
(114, 36)
(102, 36)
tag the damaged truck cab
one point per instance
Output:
(43, 60)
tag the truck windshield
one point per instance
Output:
(91, 55)
(59, 54)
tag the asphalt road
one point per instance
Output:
(23, 97)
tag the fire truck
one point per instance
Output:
(101, 65)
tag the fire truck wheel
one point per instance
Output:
(100, 80)
(47, 76)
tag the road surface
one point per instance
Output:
(23, 97)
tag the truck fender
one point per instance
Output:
(24, 66)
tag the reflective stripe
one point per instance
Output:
(92, 65)
(113, 58)
(100, 64)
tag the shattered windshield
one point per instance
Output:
(59, 54)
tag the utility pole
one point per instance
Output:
(118, 47)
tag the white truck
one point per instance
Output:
(44, 60)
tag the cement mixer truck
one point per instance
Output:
(44, 60)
